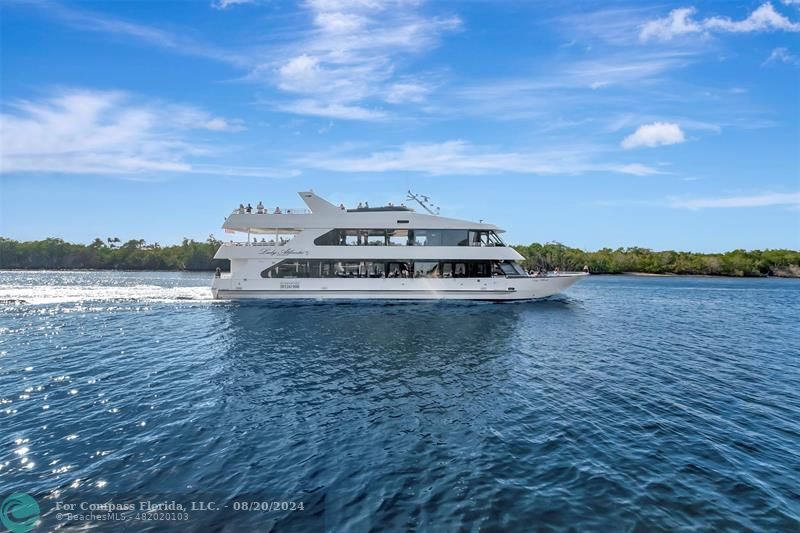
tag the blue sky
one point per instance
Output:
(664, 125)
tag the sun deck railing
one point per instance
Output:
(282, 242)
(278, 211)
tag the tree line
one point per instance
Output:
(739, 263)
(111, 253)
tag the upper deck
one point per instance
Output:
(321, 214)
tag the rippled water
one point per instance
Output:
(628, 403)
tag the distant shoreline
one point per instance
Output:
(111, 254)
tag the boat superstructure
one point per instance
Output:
(390, 252)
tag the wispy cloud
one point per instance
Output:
(655, 134)
(586, 87)
(682, 22)
(108, 132)
(462, 158)
(331, 110)
(92, 21)
(402, 92)
(781, 55)
(347, 61)
(760, 200)
(225, 4)
(617, 25)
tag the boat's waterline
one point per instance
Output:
(494, 289)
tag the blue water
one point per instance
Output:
(628, 403)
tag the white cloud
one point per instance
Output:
(462, 158)
(764, 18)
(637, 169)
(225, 4)
(761, 200)
(655, 134)
(349, 58)
(104, 132)
(221, 124)
(399, 93)
(781, 55)
(332, 110)
(190, 118)
(678, 22)
(681, 22)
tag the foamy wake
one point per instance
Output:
(46, 294)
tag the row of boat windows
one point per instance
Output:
(321, 268)
(408, 237)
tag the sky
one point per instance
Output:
(666, 125)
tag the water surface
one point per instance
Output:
(628, 403)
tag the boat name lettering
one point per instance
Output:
(290, 285)
(282, 252)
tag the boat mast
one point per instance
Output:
(424, 201)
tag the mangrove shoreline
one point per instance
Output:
(196, 256)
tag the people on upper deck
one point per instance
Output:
(241, 209)
(277, 210)
(260, 208)
(366, 205)
(360, 205)
(341, 206)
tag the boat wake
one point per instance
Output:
(56, 294)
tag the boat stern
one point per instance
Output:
(221, 283)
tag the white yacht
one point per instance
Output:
(390, 252)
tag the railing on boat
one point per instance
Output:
(265, 243)
(256, 211)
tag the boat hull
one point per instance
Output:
(487, 289)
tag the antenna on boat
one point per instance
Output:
(424, 201)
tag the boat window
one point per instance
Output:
(447, 270)
(483, 270)
(408, 237)
(376, 270)
(426, 269)
(397, 237)
(376, 237)
(455, 237)
(364, 268)
(353, 237)
(398, 269)
(495, 239)
(331, 238)
(417, 237)
(510, 268)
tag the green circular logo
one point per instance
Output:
(19, 513)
